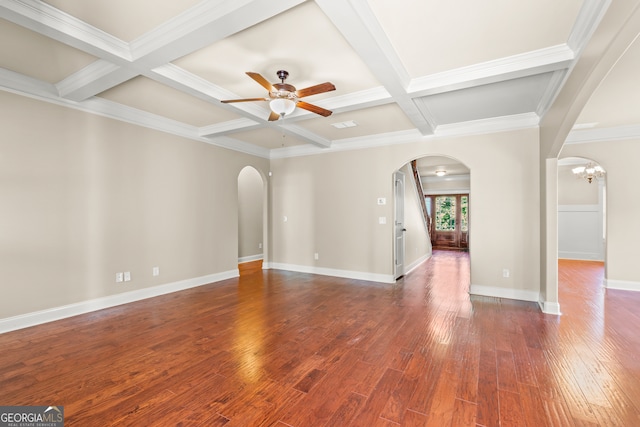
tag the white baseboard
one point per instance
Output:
(582, 256)
(346, 274)
(549, 307)
(250, 258)
(56, 313)
(492, 291)
(623, 285)
(417, 263)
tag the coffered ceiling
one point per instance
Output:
(402, 70)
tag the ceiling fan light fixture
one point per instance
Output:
(282, 106)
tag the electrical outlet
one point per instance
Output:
(316, 256)
(505, 272)
(259, 245)
(127, 276)
(119, 277)
(156, 271)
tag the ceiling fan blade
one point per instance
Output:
(313, 108)
(321, 88)
(261, 80)
(226, 101)
(273, 116)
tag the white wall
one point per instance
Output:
(330, 203)
(84, 197)
(416, 239)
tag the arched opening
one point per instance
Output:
(436, 202)
(582, 212)
(251, 219)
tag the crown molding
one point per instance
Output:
(490, 125)
(348, 144)
(20, 84)
(516, 66)
(553, 88)
(475, 127)
(45, 19)
(618, 133)
(362, 99)
(220, 129)
(205, 23)
(301, 132)
(91, 73)
(589, 17)
(239, 146)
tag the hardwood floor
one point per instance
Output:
(276, 348)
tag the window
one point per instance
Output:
(445, 213)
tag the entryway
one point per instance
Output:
(450, 224)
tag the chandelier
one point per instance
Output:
(588, 172)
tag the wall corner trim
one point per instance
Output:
(549, 307)
(57, 313)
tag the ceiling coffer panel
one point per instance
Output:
(510, 97)
(399, 71)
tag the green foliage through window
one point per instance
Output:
(445, 213)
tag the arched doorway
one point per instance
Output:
(581, 211)
(441, 185)
(251, 218)
(446, 185)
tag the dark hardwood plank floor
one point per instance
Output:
(276, 348)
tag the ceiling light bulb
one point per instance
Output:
(441, 173)
(282, 106)
(578, 170)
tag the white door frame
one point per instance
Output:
(398, 227)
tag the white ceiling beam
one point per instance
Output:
(44, 19)
(305, 135)
(196, 28)
(224, 128)
(512, 67)
(359, 26)
(17, 82)
(93, 79)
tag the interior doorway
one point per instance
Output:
(426, 178)
(251, 219)
(399, 226)
(446, 185)
(582, 232)
(449, 228)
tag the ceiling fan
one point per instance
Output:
(284, 98)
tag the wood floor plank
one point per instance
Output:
(347, 410)
(371, 410)
(488, 398)
(464, 414)
(288, 349)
